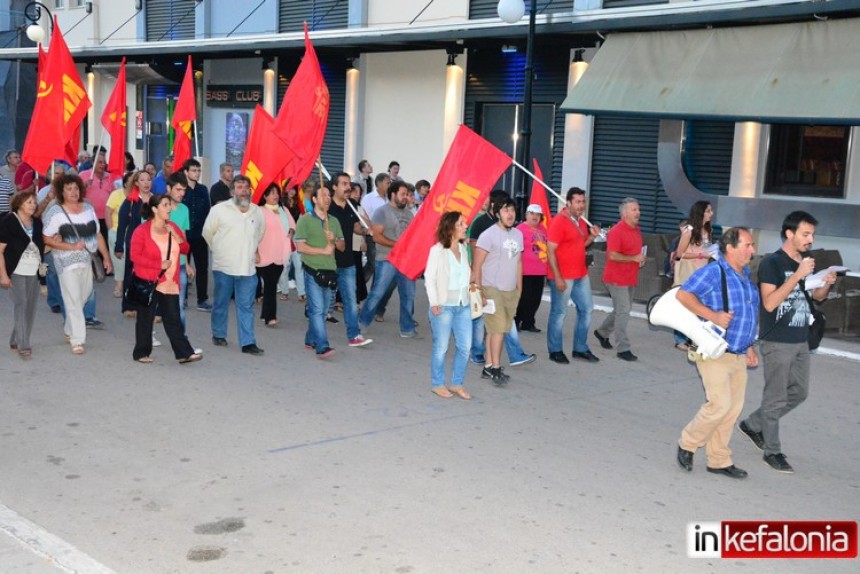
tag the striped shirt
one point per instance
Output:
(706, 285)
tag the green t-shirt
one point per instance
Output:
(180, 217)
(311, 229)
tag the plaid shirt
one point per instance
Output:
(706, 285)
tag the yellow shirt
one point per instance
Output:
(114, 201)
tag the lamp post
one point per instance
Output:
(33, 13)
(512, 11)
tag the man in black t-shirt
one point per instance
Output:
(785, 319)
(221, 189)
(345, 259)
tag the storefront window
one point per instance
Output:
(807, 160)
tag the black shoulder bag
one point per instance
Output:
(819, 320)
(140, 292)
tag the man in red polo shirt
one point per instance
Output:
(624, 257)
(99, 185)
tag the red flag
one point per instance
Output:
(183, 115)
(471, 168)
(265, 155)
(61, 106)
(114, 121)
(303, 116)
(539, 196)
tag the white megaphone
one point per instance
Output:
(707, 337)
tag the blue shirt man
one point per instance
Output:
(724, 378)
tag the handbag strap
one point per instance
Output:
(169, 248)
(75, 229)
(725, 287)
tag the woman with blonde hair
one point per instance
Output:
(130, 215)
(446, 279)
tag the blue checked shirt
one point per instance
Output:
(706, 285)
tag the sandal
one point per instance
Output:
(302, 298)
(25, 353)
(13, 347)
(78, 349)
(442, 391)
(144, 360)
(461, 392)
(271, 323)
(191, 358)
(284, 297)
(117, 292)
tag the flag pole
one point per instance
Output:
(548, 188)
(196, 139)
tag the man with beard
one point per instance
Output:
(624, 257)
(389, 223)
(233, 230)
(497, 271)
(785, 320)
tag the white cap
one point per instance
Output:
(534, 208)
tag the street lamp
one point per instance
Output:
(512, 11)
(33, 13)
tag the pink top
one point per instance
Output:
(98, 190)
(534, 249)
(275, 246)
(168, 286)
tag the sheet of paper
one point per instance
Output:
(816, 280)
(490, 307)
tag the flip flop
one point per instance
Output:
(144, 360)
(191, 358)
(78, 349)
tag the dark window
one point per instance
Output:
(807, 160)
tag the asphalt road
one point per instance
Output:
(284, 463)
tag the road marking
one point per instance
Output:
(41, 542)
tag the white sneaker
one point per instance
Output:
(292, 284)
(155, 342)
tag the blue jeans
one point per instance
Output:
(244, 287)
(578, 291)
(346, 287)
(453, 319)
(183, 293)
(512, 342)
(383, 277)
(319, 298)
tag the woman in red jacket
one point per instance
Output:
(149, 254)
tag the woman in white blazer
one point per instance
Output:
(446, 279)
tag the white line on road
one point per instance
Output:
(41, 542)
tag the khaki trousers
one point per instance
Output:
(725, 381)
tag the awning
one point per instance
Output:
(805, 72)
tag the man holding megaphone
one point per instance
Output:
(724, 294)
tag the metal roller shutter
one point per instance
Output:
(162, 14)
(319, 14)
(624, 164)
(707, 155)
(626, 3)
